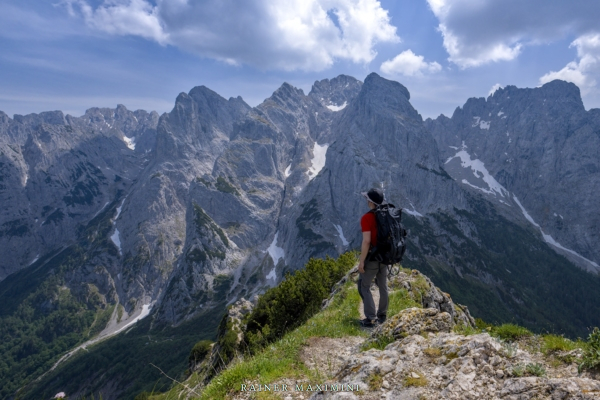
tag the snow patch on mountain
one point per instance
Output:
(338, 228)
(333, 107)
(481, 123)
(480, 172)
(116, 239)
(414, 213)
(318, 160)
(130, 142)
(275, 252)
(145, 312)
(288, 171)
(118, 211)
(549, 239)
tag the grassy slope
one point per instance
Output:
(281, 359)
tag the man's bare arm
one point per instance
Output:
(364, 251)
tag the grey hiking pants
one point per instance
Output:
(373, 269)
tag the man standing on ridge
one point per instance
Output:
(369, 269)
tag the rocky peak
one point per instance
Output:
(336, 93)
(4, 118)
(389, 96)
(559, 93)
(48, 117)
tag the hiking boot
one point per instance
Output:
(381, 320)
(366, 323)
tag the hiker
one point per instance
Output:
(369, 269)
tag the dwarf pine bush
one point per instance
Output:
(295, 300)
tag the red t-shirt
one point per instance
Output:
(368, 224)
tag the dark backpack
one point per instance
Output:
(391, 243)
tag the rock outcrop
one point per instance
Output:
(446, 365)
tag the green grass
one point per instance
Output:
(465, 330)
(281, 358)
(414, 381)
(375, 381)
(518, 370)
(510, 332)
(555, 343)
(591, 353)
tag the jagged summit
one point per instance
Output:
(381, 94)
(335, 94)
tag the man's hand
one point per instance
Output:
(361, 267)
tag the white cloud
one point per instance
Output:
(479, 32)
(582, 71)
(289, 35)
(409, 64)
(131, 17)
(494, 88)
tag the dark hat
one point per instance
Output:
(375, 196)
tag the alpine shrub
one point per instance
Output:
(199, 352)
(295, 300)
(591, 353)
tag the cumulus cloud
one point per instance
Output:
(479, 32)
(494, 88)
(409, 64)
(582, 71)
(289, 35)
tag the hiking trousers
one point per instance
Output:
(374, 269)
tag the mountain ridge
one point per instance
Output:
(216, 200)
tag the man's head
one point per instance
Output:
(375, 197)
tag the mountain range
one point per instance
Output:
(121, 221)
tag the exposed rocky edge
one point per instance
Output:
(229, 342)
(452, 366)
(422, 290)
(428, 360)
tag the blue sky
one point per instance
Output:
(71, 55)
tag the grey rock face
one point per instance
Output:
(57, 172)
(542, 146)
(378, 140)
(256, 177)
